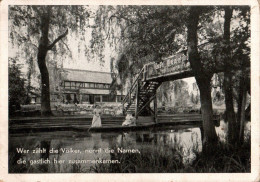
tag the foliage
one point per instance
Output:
(138, 34)
(146, 162)
(25, 30)
(174, 93)
(225, 159)
(26, 23)
(16, 86)
(240, 42)
(141, 34)
(214, 53)
(194, 98)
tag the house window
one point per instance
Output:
(67, 84)
(85, 98)
(112, 98)
(78, 84)
(107, 86)
(73, 84)
(105, 98)
(108, 98)
(91, 85)
(86, 85)
(97, 98)
(99, 85)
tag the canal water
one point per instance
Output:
(68, 151)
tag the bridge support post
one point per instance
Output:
(155, 108)
(137, 100)
(123, 107)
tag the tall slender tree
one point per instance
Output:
(43, 30)
(228, 82)
(202, 77)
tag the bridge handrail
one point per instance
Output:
(179, 52)
(133, 85)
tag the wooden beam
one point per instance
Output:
(123, 108)
(148, 102)
(150, 109)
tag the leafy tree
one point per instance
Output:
(230, 50)
(16, 87)
(40, 32)
(235, 53)
(228, 84)
(240, 60)
(203, 78)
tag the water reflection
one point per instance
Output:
(95, 146)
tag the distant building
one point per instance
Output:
(81, 86)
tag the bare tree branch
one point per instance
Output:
(120, 16)
(56, 40)
(66, 45)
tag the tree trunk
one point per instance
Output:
(203, 80)
(242, 117)
(241, 107)
(248, 112)
(228, 86)
(230, 113)
(45, 91)
(210, 136)
(42, 52)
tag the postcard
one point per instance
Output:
(134, 90)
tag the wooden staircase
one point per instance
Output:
(140, 95)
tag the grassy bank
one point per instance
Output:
(225, 159)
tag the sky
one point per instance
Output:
(80, 61)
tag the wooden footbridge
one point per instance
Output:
(152, 75)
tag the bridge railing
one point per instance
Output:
(128, 96)
(179, 63)
(171, 65)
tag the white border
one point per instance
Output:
(247, 177)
